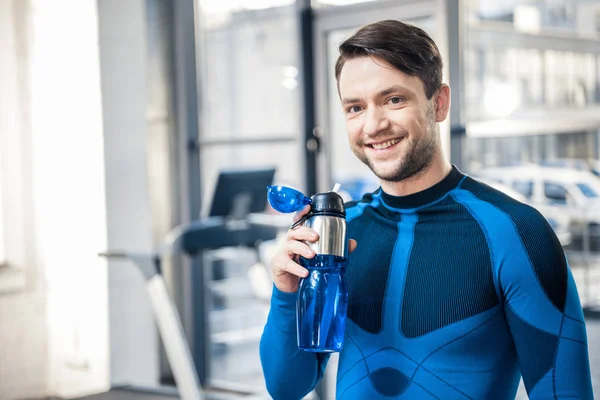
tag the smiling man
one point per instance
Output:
(455, 289)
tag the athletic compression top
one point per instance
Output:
(454, 293)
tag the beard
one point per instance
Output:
(417, 157)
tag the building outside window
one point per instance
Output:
(532, 78)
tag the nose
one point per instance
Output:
(375, 121)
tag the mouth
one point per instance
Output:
(385, 145)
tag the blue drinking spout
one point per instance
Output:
(285, 199)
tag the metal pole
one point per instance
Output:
(186, 104)
(168, 322)
(171, 331)
(597, 88)
(586, 264)
(188, 132)
(312, 142)
(456, 38)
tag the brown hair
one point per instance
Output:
(405, 47)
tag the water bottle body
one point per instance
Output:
(322, 304)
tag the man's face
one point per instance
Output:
(390, 122)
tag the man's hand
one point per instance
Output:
(286, 270)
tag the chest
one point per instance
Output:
(419, 274)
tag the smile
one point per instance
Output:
(385, 145)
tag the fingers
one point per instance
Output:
(301, 213)
(298, 248)
(302, 233)
(352, 245)
(295, 242)
(290, 267)
(294, 245)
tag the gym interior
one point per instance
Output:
(137, 139)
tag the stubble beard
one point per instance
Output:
(417, 157)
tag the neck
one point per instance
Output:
(434, 173)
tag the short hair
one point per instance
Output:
(405, 47)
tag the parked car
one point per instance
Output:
(566, 191)
(592, 166)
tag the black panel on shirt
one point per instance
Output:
(541, 244)
(368, 268)
(426, 196)
(442, 285)
(536, 349)
(389, 381)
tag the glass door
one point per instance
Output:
(337, 163)
(250, 119)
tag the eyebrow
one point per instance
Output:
(392, 89)
(383, 93)
(350, 100)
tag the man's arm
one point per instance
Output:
(544, 315)
(290, 373)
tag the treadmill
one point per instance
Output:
(237, 195)
(176, 347)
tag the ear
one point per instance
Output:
(442, 102)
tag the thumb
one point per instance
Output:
(352, 245)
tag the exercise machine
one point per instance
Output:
(233, 221)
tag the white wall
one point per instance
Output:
(123, 65)
(78, 101)
(23, 346)
(69, 193)
(24, 351)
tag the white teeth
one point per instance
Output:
(385, 145)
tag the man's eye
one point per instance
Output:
(354, 109)
(396, 100)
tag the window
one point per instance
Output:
(586, 189)
(523, 187)
(555, 193)
(250, 119)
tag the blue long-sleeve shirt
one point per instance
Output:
(454, 293)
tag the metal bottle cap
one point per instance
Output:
(328, 202)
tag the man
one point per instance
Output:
(455, 290)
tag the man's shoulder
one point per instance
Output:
(511, 218)
(365, 208)
(366, 200)
(514, 206)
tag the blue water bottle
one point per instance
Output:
(323, 294)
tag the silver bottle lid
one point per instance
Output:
(327, 218)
